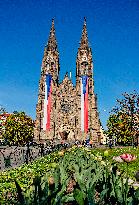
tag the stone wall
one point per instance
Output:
(15, 156)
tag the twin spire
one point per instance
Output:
(52, 43)
(84, 37)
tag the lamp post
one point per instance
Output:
(131, 103)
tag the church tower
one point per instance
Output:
(50, 62)
(49, 79)
(88, 120)
(65, 110)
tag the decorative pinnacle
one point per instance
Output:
(66, 75)
(84, 37)
(52, 44)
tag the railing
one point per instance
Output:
(13, 156)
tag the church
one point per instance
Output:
(65, 110)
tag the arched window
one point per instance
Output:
(84, 68)
(53, 66)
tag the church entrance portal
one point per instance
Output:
(64, 135)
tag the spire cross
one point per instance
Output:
(52, 44)
(84, 37)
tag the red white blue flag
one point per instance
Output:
(47, 102)
(84, 103)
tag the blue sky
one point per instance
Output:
(113, 31)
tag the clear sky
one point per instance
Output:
(113, 31)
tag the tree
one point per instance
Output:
(19, 128)
(2, 113)
(2, 110)
(123, 123)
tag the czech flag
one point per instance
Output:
(84, 103)
(47, 102)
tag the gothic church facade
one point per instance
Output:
(63, 107)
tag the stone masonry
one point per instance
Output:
(66, 98)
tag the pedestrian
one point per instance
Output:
(110, 143)
(91, 143)
(42, 150)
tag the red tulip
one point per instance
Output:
(128, 157)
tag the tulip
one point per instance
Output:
(70, 186)
(103, 163)
(99, 158)
(135, 185)
(106, 153)
(118, 159)
(128, 157)
(61, 153)
(51, 180)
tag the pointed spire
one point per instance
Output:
(84, 37)
(70, 75)
(52, 44)
(66, 75)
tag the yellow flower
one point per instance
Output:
(51, 180)
(106, 153)
(95, 158)
(99, 158)
(61, 153)
(135, 185)
(53, 165)
(103, 163)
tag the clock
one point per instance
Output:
(84, 58)
(65, 107)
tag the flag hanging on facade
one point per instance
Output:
(47, 102)
(84, 103)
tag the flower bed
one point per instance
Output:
(24, 176)
(75, 176)
(133, 166)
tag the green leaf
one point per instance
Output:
(79, 196)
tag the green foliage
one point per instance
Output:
(2, 109)
(123, 122)
(77, 176)
(133, 167)
(119, 128)
(24, 176)
(19, 128)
